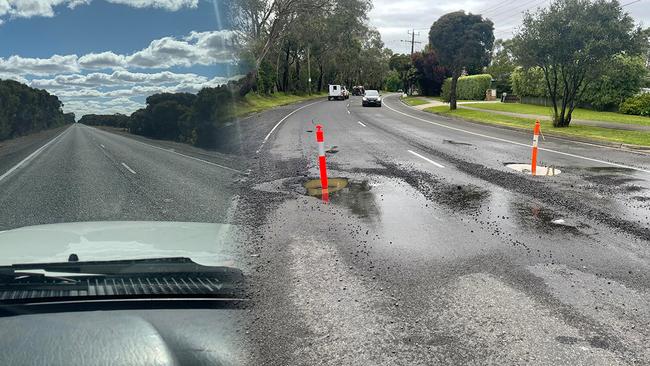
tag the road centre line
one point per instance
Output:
(279, 122)
(426, 159)
(518, 143)
(361, 123)
(186, 156)
(32, 155)
(128, 168)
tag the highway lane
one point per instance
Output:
(87, 174)
(449, 257)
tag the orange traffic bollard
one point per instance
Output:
(322, 163)
(538, 129)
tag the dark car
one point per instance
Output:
(371, 98)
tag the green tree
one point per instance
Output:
(392, 81)
(461, 41)
(572, 41)
(24, 110)
(622, 78)
(401, 64)
(502, 65)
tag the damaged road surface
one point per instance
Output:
(433, 251)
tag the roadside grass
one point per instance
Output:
(413, 101)
(595, 133)
(253, 103)
(579, 113)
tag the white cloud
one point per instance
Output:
(199, 48)
(117, 78)
(56, 64)
(202, 48)
(100, 106)
(46, 8)
(104, 60)
(171, 5)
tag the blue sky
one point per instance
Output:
(106, 56)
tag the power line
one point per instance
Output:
(516, 11)
(630, 3)
(497, 5)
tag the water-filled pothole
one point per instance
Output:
(547, 171)
(315, 189)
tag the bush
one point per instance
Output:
(469, 87)
(528, 82)
(638, 105)
(621, 79)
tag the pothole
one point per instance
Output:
(315, 189)
(547, 171)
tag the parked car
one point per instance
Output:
(371, 97)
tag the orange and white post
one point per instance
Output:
(538, 129)
(322, 163)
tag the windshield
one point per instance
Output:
(421, 182)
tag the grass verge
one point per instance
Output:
(595, 133)
(413, 101)
(578, 113)
(253, 103)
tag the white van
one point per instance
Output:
(336, 92)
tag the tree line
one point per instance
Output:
(25, 110)
(196, 119)
(285, 43)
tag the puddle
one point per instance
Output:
(356, 195)
(458, 197)
(543, 219)
(314, 188)
(549, 171)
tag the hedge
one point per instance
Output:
(471, 87)
(638, 105)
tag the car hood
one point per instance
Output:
(206, 244)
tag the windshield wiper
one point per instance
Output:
(118, 267)
(159, 278)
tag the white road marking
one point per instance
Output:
(519, 143)
(183, 155)
(127, 168)
(361, 123)
(427, 159)
(279, 122)
(32, 155)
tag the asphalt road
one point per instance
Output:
(435, 252)
(87, 174)
(449, 257)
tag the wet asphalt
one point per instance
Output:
(437, 253)
(434, 252)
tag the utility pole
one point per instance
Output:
(412, 41)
